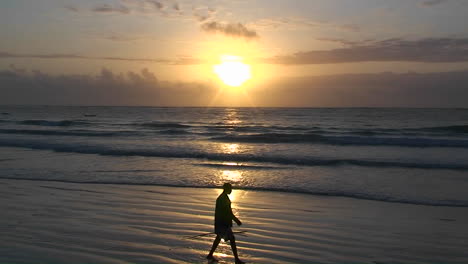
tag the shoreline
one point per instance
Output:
(255, 189)
(57, 222)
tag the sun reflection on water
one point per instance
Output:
(230, 148)
(231, 172)
(231, 117)
(235, 177)
(232, 176)
(231, 164)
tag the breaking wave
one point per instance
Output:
(190, 154)
(344, 140)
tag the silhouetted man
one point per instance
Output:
(223, 223)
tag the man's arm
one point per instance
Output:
(238, 222)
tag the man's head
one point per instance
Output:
(227, 187)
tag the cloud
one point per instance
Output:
(202, 14)
(158, 5)
(105, 88)
(427, 3)
(283, 23)
(431, 50)
(122, 37)
(300, 23)
(71, 8)
(42, 56)
(229, 29)
(440, 89)
(345, 42)
(183, 60)
(349, 27)
(172, 9)
(188, 61)
(106, 8)
(129, 6)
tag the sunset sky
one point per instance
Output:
(334, 53)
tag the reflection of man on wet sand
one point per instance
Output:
(223, 223)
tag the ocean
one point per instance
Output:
(416, 156)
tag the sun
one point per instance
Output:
(232, 71)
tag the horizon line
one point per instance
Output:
(299, 107)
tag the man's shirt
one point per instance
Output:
(223, 212)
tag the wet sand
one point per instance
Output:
(55, 222)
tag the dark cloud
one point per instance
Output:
(229, 29)
(425, 50)
(440, 89)
(443, 89)
(106, 8)
(432, 2)
(105, 88)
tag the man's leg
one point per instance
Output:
(234, 249)
(213, 248)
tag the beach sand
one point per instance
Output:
(56, 222)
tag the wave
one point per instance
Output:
(337, 193)
(315, 129)
(271, 133)
(132, 171)
(182, 153)
(157, 124)
(236, 166)
(255, 128)
(344, 140)
(173, 132)
(61, 123)
(87, 133)
(453, 129)
(439, 130)
(84, 133)
(270, 138)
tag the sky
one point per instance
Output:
(301, 53)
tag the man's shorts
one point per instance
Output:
(223, 231)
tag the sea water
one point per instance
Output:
(417, 156)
